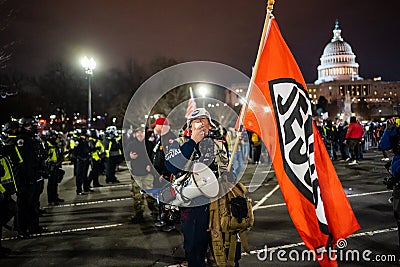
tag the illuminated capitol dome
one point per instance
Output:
(341, 88)
(338, 60)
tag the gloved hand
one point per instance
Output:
(229, 176)
(391, 123)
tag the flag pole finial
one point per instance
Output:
(270, 4)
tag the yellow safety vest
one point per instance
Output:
(52, 153)
(96, 154)
(7, 180)
(72, 142)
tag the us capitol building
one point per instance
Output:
(346, 92)
(340, 83)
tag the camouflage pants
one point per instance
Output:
(139, 183)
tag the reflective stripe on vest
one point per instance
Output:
(20, 160)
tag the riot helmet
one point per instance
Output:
(26, 122)
(11, 127)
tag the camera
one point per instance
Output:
(389, 182)
(215, 133)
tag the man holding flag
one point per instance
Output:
(310, 186)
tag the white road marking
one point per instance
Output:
(89, 203)
(257, 206)
(69, 231)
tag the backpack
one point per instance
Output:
(236, 210)
(230, 215)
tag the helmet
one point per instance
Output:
(47, 134)
(53, 133)
(197, 113)
(81, 132)
(94, 133)
(85, 132)
(27, 121)
(10, 126)
(111, 130)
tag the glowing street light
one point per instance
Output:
(89, 65)
(203, 90)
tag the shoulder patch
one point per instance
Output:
(20, 142)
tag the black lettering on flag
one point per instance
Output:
(294, 121)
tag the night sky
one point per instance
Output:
(226, 31)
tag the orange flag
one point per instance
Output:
(280, 113)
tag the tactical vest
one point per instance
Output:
(113, 148)
(230, 216)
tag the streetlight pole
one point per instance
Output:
(89, 65)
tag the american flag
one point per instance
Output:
(191, 104)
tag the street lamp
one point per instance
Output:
(203, 90)
(89, 65)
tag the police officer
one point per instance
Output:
(82, 154)
(391, 140)
(97, 154)
(10, 132)
(7, 189)
(330, 137)
(113, 153)
(72, 144)
(54, 160)
(31, 183)
(196, 147)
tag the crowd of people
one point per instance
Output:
(32, 158)
(348, 141)
(31, 155)
(157, 156)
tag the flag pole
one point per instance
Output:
(245, 106)
(191, 92)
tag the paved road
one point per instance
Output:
(93, 230)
